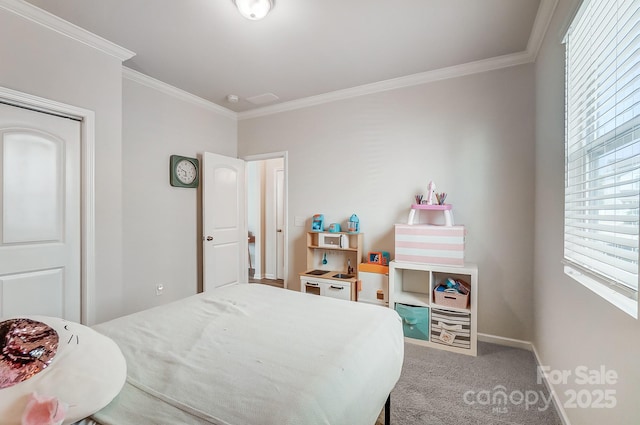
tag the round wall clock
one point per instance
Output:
(184, 171)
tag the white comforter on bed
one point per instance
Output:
(256, 355)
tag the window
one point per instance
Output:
(602, 149)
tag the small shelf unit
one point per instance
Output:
(337, 256)
(413, 284)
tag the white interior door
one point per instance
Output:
(223, 221)
(40, 221)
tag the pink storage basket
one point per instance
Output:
(453, 299)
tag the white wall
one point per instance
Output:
(163, 224)
(147, 232)
(44, 63)
(573, 326)
(370, 155)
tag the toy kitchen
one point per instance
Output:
(332, 259)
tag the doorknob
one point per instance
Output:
(209, 238)
(279, 230)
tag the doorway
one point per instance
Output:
(266, 219)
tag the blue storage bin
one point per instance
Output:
(415, 321)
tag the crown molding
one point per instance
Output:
(170, 90)
(540, 26)
(395, 83)
(59, 25)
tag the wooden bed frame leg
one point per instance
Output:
(387, 411)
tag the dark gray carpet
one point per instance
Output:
(497, 387)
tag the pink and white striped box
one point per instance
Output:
(423, 243)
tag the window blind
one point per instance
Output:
(602, 158)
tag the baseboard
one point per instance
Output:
(508, 342)
(526, 345)
(556, 401)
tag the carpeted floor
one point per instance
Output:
(496, 387)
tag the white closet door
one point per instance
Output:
(40, 220)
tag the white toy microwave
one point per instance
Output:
(333, 240)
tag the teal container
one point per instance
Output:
(415, 321)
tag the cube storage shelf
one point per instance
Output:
(451, 328)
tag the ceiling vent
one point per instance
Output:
(261, 99)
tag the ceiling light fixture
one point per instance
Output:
(254, 9)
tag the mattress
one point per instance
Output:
(252, 354)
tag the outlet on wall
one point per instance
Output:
(159, 289)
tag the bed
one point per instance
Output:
(251, 354)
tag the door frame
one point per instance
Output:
(87, 187)
(285, 156)
(278, 191)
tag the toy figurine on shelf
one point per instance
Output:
(431, 190)
(317, 223)
(379, 257)
(354, 224)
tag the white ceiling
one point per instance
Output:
(302, 48)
